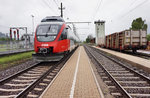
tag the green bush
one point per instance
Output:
(148, 37)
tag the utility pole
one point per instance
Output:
(32, 24)
(61, 8)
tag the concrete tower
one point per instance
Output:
(100, 32)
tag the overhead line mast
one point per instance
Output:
(61, 8)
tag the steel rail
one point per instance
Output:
(25, 92)
(2, 81)
(124, 92)
(120, 63)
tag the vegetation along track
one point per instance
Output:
(32, 81)
(9, 53)
(122, 81)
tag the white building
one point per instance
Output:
(100, 33)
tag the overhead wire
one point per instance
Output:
(64, 11)
(67, 12)
(97, 9)
(57, 6)
(56, 3)
(123, 10)
(127, 13)
(133, 2)
(49, 6)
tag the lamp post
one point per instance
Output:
(32, 24)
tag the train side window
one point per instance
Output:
(63, 35)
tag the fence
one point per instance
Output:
(15, 45)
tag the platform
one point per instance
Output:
(75, 80)
(136, 61)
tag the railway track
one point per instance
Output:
(122, 81)
(32, 81)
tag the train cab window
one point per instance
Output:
(47, 32)
(63, 34)
(49, 29)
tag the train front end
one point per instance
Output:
(47, 46)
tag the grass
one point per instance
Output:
(3, 49)
(8, 61)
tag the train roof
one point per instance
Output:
(53, 19)
(43, 23)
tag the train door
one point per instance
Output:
(63, 42)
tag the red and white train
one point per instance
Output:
(54, 38)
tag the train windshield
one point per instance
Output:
(47, 32)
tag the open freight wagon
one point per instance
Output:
(127, 40)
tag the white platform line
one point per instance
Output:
(75, 76)
(56, 76)
(99, 89)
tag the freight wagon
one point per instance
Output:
(148, 45)
(127, 40)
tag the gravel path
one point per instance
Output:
(15, 69)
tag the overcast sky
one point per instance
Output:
(118, 14)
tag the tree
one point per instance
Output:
(138, 24)
(148, 37)
(88, 39)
